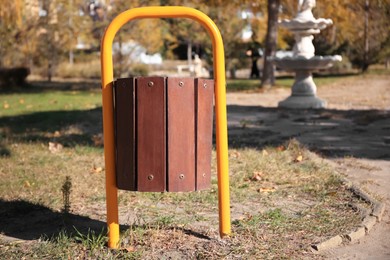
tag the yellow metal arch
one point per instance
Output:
(220, 109)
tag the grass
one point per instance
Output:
(32, 102)
(283, 198)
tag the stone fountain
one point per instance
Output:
(304, 61)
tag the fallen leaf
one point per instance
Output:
(280, 148)
(21, 101)
(235, 154)
(130, 249)
(55, 147)
(248, 216)
(96, 169)
(264, 152)
(6, 106)
(98, 139)
(241, 218)
(257, 176)
(27, 184)
(266, 189)
(299, 158)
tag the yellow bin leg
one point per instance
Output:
(220, 110)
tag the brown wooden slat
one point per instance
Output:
(125, 134)
(204, 90)
(181, 134)
(151, 133)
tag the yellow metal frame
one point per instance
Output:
(220, 110)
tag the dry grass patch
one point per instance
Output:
(284, 199)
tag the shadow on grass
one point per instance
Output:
(43, 86)
(76, 127)
(321, 75)
(28, 221)
(331, 133)
(24, 220)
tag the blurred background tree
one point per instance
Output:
(10, 29)
(360, 30)
(145, 32)
(46, 35)
(273, 8)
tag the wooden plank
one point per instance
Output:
(125, 134)
(151, 133)
(204, 91)
(181, 134)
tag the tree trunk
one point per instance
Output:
(71, 57)
(366, 37)
(268, 77)
(189, 52)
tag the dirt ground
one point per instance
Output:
(353, 133)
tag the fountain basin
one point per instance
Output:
(303, 24)
(303, 63)
(303, 91)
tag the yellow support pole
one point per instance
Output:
(220, 110)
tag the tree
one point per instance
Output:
(183, 31)
(72, 24)
(226, 15)
(10, 26)
(362, 41)
(369, 47)
(268, 78)
(229, 21)
(144, 32)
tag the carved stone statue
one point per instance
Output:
(304, 10)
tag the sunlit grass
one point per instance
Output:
(28, 102)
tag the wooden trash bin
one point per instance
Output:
(163, 133)
(157, 134)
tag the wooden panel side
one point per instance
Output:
(151, 133)
(125, 134)
(181, 134)
(204, 131)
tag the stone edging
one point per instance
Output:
(371, 217)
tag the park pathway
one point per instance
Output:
(353, 133)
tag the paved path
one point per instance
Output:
(354, 134)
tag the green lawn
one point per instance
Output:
(47, 100)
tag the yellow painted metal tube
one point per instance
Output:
(220, 109)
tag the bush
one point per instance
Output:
(79, 70)
(139, 70)
(343, 66)
(13, 77)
